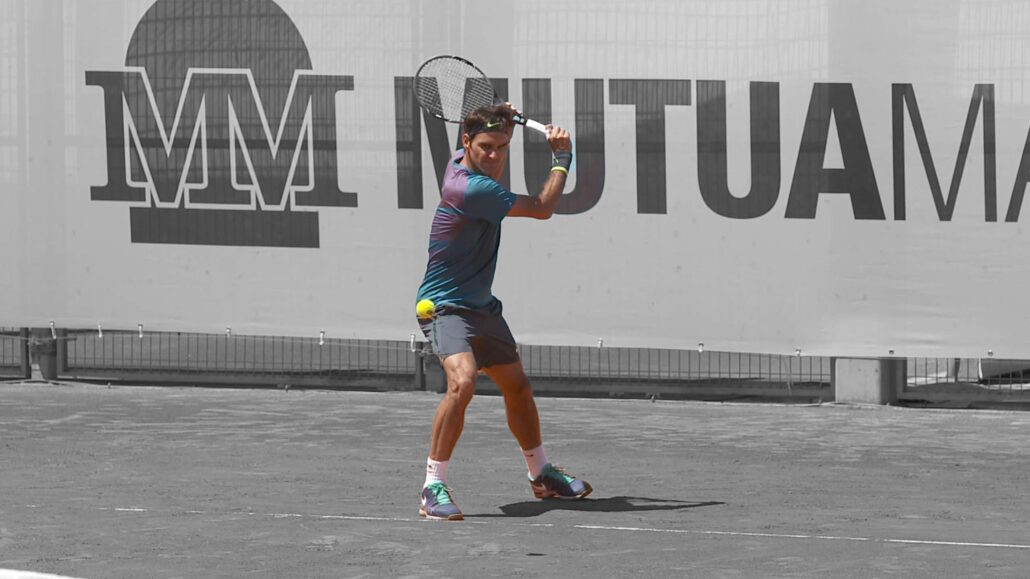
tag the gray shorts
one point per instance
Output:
(484, 333)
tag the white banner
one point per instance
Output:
(839, 178)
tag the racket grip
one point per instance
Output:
(539, 127)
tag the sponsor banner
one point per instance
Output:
(833, 178)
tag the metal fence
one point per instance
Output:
(213, 359)
(966, 381)
(180, 357)
(14, 362)
(132, 356)
(668, 373)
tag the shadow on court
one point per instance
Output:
(591, 505)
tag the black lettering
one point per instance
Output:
(712, 163)
(318, 92)
(408, 133)
(650, 98)
(811, 178)
(588, 136)
(220, 96)
(116, 189)
(903, 97)
(1019, 187)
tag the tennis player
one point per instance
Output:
(468, 332)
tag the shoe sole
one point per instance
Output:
(422, 512)
(546, 494)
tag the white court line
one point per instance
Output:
(254, 514)
(15, 574)
(606, 528)
(789, 536)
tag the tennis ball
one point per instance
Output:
(425, 309)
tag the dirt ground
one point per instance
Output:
(132, 482)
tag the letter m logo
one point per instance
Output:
(217, 170)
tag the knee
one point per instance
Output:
(461, 387)
(518, 390)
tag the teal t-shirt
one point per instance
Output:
(464, 239)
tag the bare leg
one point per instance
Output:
(519, 405)
(449, 421)
(524, 422)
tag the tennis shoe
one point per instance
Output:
(555, 483)
(438, 504)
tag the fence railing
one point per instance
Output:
(14, 362)
(231, 359)
(964, 380)
(190, 358)
(676, 373)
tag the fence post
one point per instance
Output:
(420, 367)
(62, 351)
(26, 362)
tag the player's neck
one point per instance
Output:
(468, 164)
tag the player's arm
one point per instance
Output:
(543, 204)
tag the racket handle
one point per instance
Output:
(530, 123)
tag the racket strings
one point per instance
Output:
(451, 89)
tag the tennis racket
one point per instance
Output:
(450, 87)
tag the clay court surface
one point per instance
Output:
(130, 482)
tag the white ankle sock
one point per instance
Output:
(536, 460)
(436, 471)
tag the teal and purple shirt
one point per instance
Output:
(464, 239)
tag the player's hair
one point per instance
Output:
(491, 119)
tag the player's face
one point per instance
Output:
(487, 153)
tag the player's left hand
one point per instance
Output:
(558, 138)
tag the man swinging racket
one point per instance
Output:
(459, 314)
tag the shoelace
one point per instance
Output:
(558, 473)
(442, 493)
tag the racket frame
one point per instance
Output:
(518, 118)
